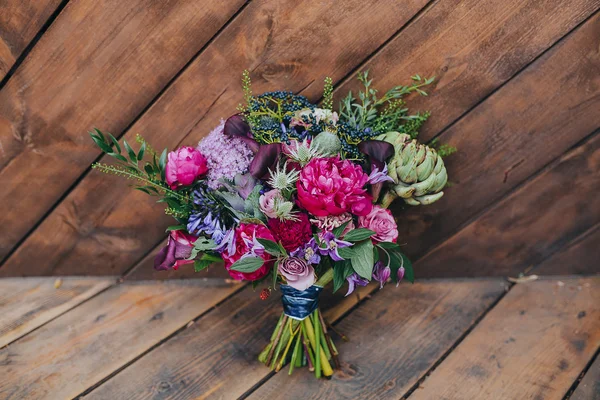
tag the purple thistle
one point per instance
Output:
(381, 273)
(354, 280)
(330, 244)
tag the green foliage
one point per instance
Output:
(341, 270)
(272, 247)
(340, 229)
(201, 244)
(382, 114)
(247, 264)
(362, 258)
(205, 261)
(444, 150)
(395, 259)
(359, 234)
(247, 88)
(328, 94)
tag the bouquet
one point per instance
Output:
(293, 196)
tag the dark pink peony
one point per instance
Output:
(292, 234)
(184, 166)
(246, 243)
(381, 221)
(331, 186)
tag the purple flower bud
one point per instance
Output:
(400, 275)
(381, 273)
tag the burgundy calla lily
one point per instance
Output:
(377, 152)
(175, 253)
(236, 126)
(266, 157)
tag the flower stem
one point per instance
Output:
(325, 278)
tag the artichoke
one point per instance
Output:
(418, 171)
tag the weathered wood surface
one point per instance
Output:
(27, 303)
(287, 45)
(532, 345)
(532, 223)
(20, 21)
(589, 387)
(99, 64)
(79, 349)
(217, 356)
(514, 133)
(580, 256)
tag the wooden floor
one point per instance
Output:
(440, 339)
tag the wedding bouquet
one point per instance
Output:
(289, 193)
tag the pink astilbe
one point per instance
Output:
(226, 156)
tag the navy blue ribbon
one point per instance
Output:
(299, 304)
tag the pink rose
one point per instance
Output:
(267, 202)
(297, 272)
(381, 221)
(331, 186)
(176, 252)
(184, 166)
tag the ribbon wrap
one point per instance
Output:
(299, 304)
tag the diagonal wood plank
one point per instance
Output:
(217, 357)
(20, 21)
(286, 44)
(500, 140)
(580, 256)
(532, 223)
(27, 303)
(82, 347)
(589, 387)
(532, 345)
(100, 63)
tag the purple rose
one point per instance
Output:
(297, 272)
(184, 165)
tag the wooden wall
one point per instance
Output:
(517, 91)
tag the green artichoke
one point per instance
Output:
(418, 171)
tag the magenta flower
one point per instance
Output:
(331, 186)
(184, 166)
(329, 246)
(297, 272)
(175, 253)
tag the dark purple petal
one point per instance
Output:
(378, 151)
(236, 126)
(165, 259)
(265, 158)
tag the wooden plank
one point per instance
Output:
(217, 357)
(97, 65)
(589, 387)
(269, 37)
(20, 21)
(532, 345)
(579, 257)
(77, 350)
(27, 303)
(532, 223)
(551, 105)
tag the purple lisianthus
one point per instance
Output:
(309, 252)
(330, 244)
(297, 272)
(354, 280)
(381, 273)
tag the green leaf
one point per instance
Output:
(271, 247)
(409, 273)
(358, 235)
(274, 272)
(131, 153)
(142, 189)
(141, 152)
(341, 270)
(175, 228)
(162, 163)
(340, 229)
(388, 245)
(247, 264)
(102, 144)
(149, 170)
(201, 244)
(346, 252)
(119, 157)
(362, 260)
(115, 142)
(199, 265)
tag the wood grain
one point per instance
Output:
(589, 387)
(396, 337)
(515, 132)
(77, 350)
(532, 223)
(532, 345)
(286, 45)
(578, 257)
(20, 21)
(27, 303)
(217, 357)
(99, 64)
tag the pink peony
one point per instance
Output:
(246, 244)
(184, 165)
(381, 221)
(297, 272)
(331, 186)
